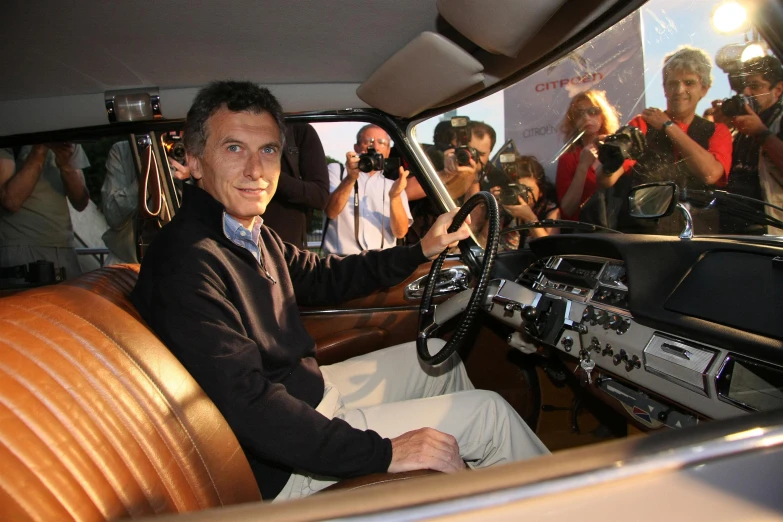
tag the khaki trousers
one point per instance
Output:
(391, 392)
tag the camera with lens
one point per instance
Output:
(510, 193)
(508, 164)
(734, 106)
(372, 160)
(174, 147)
(628, 143)
(463, 152)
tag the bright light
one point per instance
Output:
(753, 50)
(729, 17)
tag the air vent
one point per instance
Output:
(532, 273)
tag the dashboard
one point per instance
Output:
(584, 307)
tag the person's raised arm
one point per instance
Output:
(398, 218)
(344, 191)
(572, 198)
(459, 179)
(15, 188)
(751, 125)
(312, 190)
(701, 162)
(73, 178)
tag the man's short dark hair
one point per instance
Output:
(444, 134)
(480, 129)
(768, 67)
(236, 97)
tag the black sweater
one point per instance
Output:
(240, 336)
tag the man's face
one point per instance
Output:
(759, 89)
(378, 138)
(240, 164)
(483, 146)
(683, 92)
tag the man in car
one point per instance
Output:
(757, 157)
(223, 293)
(35, 223)
(366, 210)
(681, 146)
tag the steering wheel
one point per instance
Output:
(466, 302)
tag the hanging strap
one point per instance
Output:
(156, 195)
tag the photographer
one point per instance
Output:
(378, 212)
(681, 146)
(535, 200)
(757, 159)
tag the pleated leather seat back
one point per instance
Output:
(98, 420)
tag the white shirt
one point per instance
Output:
(374, 215)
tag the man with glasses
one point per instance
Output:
(757, 160)
(366, 210)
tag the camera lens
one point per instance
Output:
(365, 163)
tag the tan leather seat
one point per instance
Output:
(98, 420)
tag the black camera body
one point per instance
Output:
(734, 106)
(627, 143)
(509, 194)
(372, 160)
(463, 152)
(174, 146)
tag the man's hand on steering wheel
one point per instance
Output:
(438, 239)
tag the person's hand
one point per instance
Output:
(438, 239)
(178, 170)
(522, 211)
(496, 191)
(451, 166)
(717, 114)
(399, 184)
(63, 152)
(425, 448)
(655, 118)
(750, 124)
(352, 166)
(589, 155)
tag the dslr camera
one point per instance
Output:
(174, 147)
(735, 106)
(510, 193)
(508, 164)
(627, 143)
(463, 152)
(372, 160)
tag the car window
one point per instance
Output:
(571, 140)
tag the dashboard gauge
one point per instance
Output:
(614, 275)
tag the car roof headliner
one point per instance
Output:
(60, 57)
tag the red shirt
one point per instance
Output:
(566, 168)
(720, 145)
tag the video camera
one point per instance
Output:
(463, 152)
(627, 143)
(372, 160)
(174, 146)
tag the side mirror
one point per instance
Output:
(653, 200)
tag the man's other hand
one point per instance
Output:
(352, 165)
(425, 448)
(63, 152)
(749, 124)
(438, 239)
(399, 184)
(178, 170)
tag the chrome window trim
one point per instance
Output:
(338, 311)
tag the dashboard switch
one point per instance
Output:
(632, 363)
(607, 350)
(623, 327)
(567, 343)
(620, 357)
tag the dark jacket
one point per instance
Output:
(298, 194)
(239, 334)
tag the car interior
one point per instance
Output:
(650, 365)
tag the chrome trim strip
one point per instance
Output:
(666, 460)
(336, 311)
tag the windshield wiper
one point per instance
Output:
(561, 223)
(737, 205)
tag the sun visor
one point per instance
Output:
(499, 26)
(428, 70)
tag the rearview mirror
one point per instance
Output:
(653, 200)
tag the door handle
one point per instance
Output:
(449, 281)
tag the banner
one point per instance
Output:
(535, 107)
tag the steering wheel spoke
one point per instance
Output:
(467, 302)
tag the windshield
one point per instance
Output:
(671, 93)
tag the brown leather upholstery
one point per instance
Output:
(98, 420)
(349, 343)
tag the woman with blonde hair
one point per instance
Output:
(590, 113)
